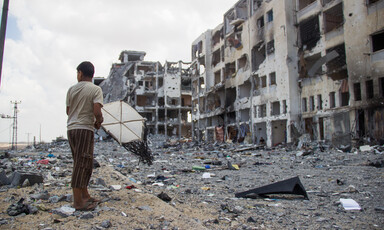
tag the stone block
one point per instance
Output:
(19, 177)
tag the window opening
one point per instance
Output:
(270, 16)
(272, 78)
(357, 91)
(369, 89)
(304, 104)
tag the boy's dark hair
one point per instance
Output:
(86, 68)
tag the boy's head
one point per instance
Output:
(86, 68)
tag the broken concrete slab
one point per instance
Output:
(64, 211)
(365, 148)
(4, 180)
(19, 177)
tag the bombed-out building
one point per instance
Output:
(270, 72)
(244, 75)
(274, 70)
(341, 66)
(160, 93)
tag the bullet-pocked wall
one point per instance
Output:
(337, 65)
(365, 62)
(274, 70)
(248, 91)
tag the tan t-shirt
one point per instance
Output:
(80, 100)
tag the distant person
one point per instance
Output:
(84, 102)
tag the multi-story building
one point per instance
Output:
(250, 81)
(274, 70)
(341, 52)
(364, 39)
(161, 94)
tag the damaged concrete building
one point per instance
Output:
(160, 93)
(274, 70)
(271, 72)
(341, 69)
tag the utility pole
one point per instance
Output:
(4, 18)
(14, 125)
(40, 133)
(28, 138)
(14, 134)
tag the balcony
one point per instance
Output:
(311, 7)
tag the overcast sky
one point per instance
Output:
(47, 39)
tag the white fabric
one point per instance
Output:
(123, 122)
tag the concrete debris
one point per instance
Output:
(365, 148)
(106, 224)
(41, 196)
(4, 180)
(18, 208)
(18, 179)
(147, 208)
(377, 164)
(202, 179)
(86, 216)
(53, 199)
(64, 211)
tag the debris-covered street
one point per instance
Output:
(193, 187)
(235, 114)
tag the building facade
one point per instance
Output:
(160, 93)
(274, 70)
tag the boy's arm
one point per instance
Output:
(98, 115)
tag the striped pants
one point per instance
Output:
(81, 142)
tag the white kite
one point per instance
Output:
(128, 128)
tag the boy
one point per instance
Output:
(84, 102)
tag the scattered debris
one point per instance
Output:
(19, 177)
(106, 224)
(18, 208)
(377, 164)
(64, 211)
(365, 148)
(209, 185)
(350, 204)
(164, 197)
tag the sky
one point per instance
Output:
(47, 39)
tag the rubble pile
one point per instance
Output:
(192, 186)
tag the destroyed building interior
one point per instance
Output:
(269, 73)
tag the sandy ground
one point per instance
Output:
(122, 210)
(5, 146)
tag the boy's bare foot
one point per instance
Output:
(88, 206)
(91, 199)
